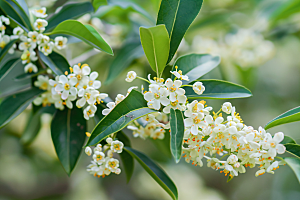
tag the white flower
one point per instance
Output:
(158, 134)
(179, 75)
(260, 172)
(100, 96)
(198, 88)
(26, 44)
(81, 72)
(12, 49)
(174, 88)
(177, 104)
(194, 123)
(117, 146)
(110, 106)
(89, 111)
(130, 76)
(28, 56)
(45, 99)
(46, 48)
(42, 39)
(88, 151)
(226, 107)
(99, 157)
(30, 68)
(232, 159)
(156, 96)
(88, 95)
(4, 40)
(33, 36)
(17, 32)
(41, 13)
(119, 98)
(112, 164)
(66, 86)
(273, 144)
(273, 167)
(60, 42)
(93, 82)
(40, 25)
(42, 82)
(109, 140)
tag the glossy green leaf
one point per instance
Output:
(177, 15)
(8, 66)
(13, 105)
(196, 65)
(128, 53)
(177, 132)
(287, 140)
(218, 89)
(4, 51)
(157, 173)
(56, 62)
(71, 10)
(84, 32)
(68, 129)
(289, 116)
(294, 164)
(15, 11)
(293, 149)
(126, 158)
(98, 3)
(23, 5)
(156, 45)
(163, 146)
(131, 108)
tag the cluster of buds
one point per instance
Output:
(102, 165)
(33, 41)
(227, 144)
(80, 85)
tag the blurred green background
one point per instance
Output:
(34, 172)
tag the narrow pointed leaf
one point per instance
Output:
(69, 10)
(294, 164)
(128, 53)
(156, 45)
(24, 6)
(131, 108)
(177, 15)
(126, 158)
(15, 11)
(287, 140)
(218, 89)
(289, 116)
(196, 65)
(68, 129)
(177, 132)
(8, 66)
(98, 3)
(56, 62)
(13, 105)
(84, 32)
(4, 51)
(293, 149)
(157, 173)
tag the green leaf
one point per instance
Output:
(84, 32)
(157, 173)
(23, 5)
(156, 45)
(68, 129)
(126, 158)
(69, 10)
(8, 66)
(177, 132)
(289, 116)
(56, 62)
(287, 140)
(98, 3)
(293, 149)
(218, 89)
(131, 108)
(34, 123)
(196, 65)
(177, 15)
(294, 164)
(4, 51)
(128, 53)
(13, 105)
(15, 11)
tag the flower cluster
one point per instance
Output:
(80, 85)
(103, 165)
(226, 143)
(31, 41)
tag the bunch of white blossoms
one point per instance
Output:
(209, 135)
(103, 165)
(32, 40)
(248, 48)
(80, 85)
